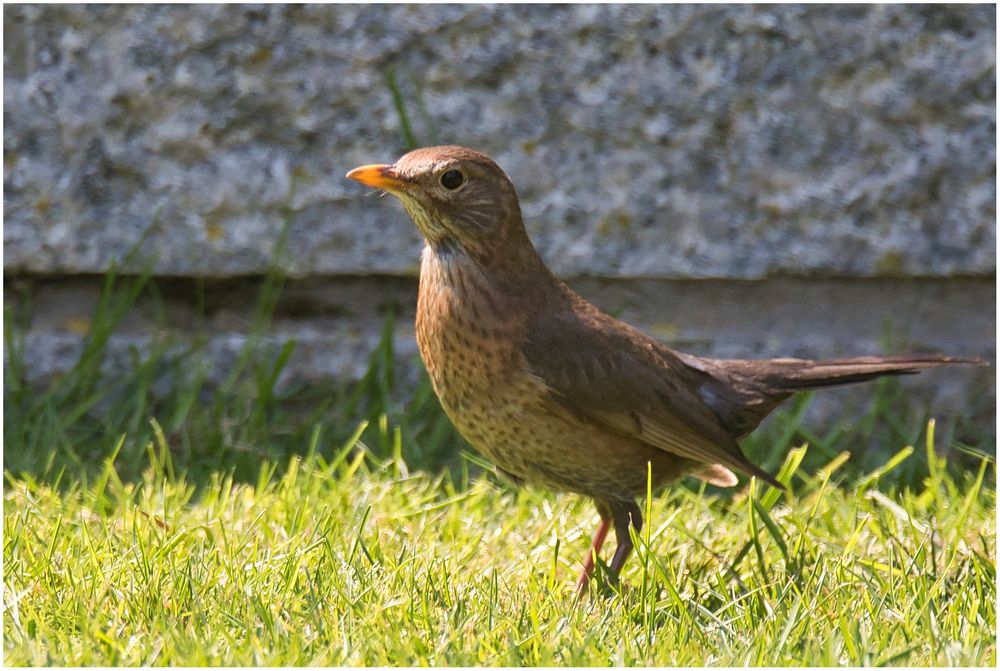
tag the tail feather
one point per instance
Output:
(744, 391)
(797, 374)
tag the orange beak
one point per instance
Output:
(379, 177)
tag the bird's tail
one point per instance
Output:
(798, 374)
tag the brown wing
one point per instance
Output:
(602, 372)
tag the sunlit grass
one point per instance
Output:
(344, 559)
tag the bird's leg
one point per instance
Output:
(602, 532)
(588, 564)
(624, 515)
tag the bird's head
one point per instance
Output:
(457, 197)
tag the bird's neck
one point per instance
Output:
(512, 276)
(508, 252)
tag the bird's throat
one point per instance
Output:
(445, 265)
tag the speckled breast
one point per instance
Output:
(469, 338)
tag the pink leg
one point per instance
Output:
(588, 565)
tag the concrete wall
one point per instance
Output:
(837, 164)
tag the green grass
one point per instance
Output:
(347, 559)
(248, 524)
(251, 525)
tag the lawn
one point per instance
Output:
(249, 524)
(344, 560)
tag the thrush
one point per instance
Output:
(552, 390)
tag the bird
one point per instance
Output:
(557, 393)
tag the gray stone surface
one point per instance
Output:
(646, 141)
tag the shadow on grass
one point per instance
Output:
(71, 424)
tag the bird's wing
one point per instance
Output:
(603, 373)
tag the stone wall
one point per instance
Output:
(651, 146)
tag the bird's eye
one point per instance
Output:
(452, 179)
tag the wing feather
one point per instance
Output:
(603, 373)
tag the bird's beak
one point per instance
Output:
(380, 177)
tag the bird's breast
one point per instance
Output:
(470, 334)
(470, 337)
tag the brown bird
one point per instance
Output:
(554, 391)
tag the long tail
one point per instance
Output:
(798, 374)
(745, 391)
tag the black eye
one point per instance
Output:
(452, 179)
